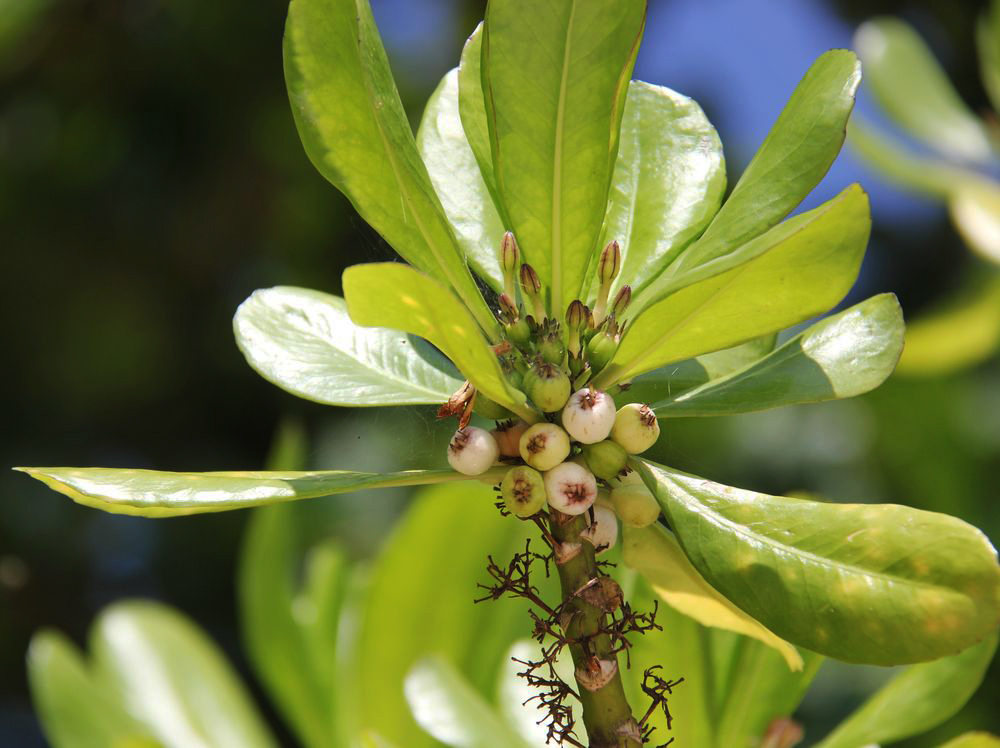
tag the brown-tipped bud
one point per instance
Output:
(529, 281)
(510, 255)
(622, 299)
(610, 264)
(576, 316)
(508, 309)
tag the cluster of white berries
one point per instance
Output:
(562, 463)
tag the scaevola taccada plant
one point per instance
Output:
(574, 275)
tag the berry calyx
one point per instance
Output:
(635, 428)
(523, 491)
(589, 415)
(543, 446)
(472, 451)
(570, 488)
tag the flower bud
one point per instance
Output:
(508, 309)
(547, 387)
(508, 437)
(543, 446)
(531, 287)
(622, 299)
(523, 491)
(605, 459)
(610, 264)
(510, 255)
(589, 415)
(570, 489)
(635, 428)
(576, 321)
(603, 531)
(472, 451)
(633, 502)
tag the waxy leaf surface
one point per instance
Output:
(397, 296)
(152, 493)
(793, 158)
(356, 133)
(841, 356)
(305, 342)
(472, 108)
(455, 174)
(555, 79)
(918, 699)
(877, 584)
(796, 270)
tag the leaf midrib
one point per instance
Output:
(557, 155)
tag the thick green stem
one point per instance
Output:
(606, 713)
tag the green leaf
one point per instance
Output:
(304, 342)
(963, 330)
(878, 584)
(654, 552)
(668, 181)
(173, 679)
(796, 270)
(974, 740)
(975, 210)
(555, 76)
(452, 711)
(74, 710)
(153, 493)
(914, 91)
(394, 295)
(988, 46)
(841, 356)
(472, 108)
(918, 699)
(455, 174)
(356, 133)
(793, 158)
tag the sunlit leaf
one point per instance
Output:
(918, 699)
(397, 296)
(472, 108)
(879, 584)
(304, 342)
(356, 133)
(841, 356)
(153, 493)
(455, 175)
(911, 87)
(555, 77)
(796, 270)
(973, 740)
(975, 210)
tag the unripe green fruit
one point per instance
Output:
(552, 350)
(633, 502)
(570, 489)
(589, 415)
(523, 491)
(490, 410)
(605, 459)
(543, 446)
(519, 332)
(635, 428)
(547, 386)
(603, 531)
(509, 438)
(472, 451)
(600, 350)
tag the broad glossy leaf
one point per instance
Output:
(793, 158)
(964, 330)
(796, 270)
(918, 699)
(154, 493)
(455, 174)
(472, 108)
(420, 603)
(974, 740)
(173, 679)
(914, 91)
(397, 296)
(555, 76)
(654, 552)
(448, 708)
(668, 181)
(841, 356)
(356, 133)
(304, 342)
(74, 710)
(879, 584)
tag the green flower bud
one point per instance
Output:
(523, 491)
(635, 428)
(570, 489)
(531, 287)
(547, 387)
(510, 255)
(622, 299)
(605, 459)
(633, 502)
(543, 446)
(472, 451)
(610, 263)
(589, 415)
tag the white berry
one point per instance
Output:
(472, 451)
(570, 488)
(603, 531)
(589, 415)
(543, 446)
(635, 428)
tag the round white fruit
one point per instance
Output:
(570, 488)
(543, 446)
(603, 531)
(472, 451)
(589, 415)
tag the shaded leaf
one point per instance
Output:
(879, 584)
(919, 698)
(356, 133)
(153, 493)
(555, 78)
(988, 46)
(304, 342)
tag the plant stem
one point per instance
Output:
(606, 712)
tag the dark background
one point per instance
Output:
(151, 179)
